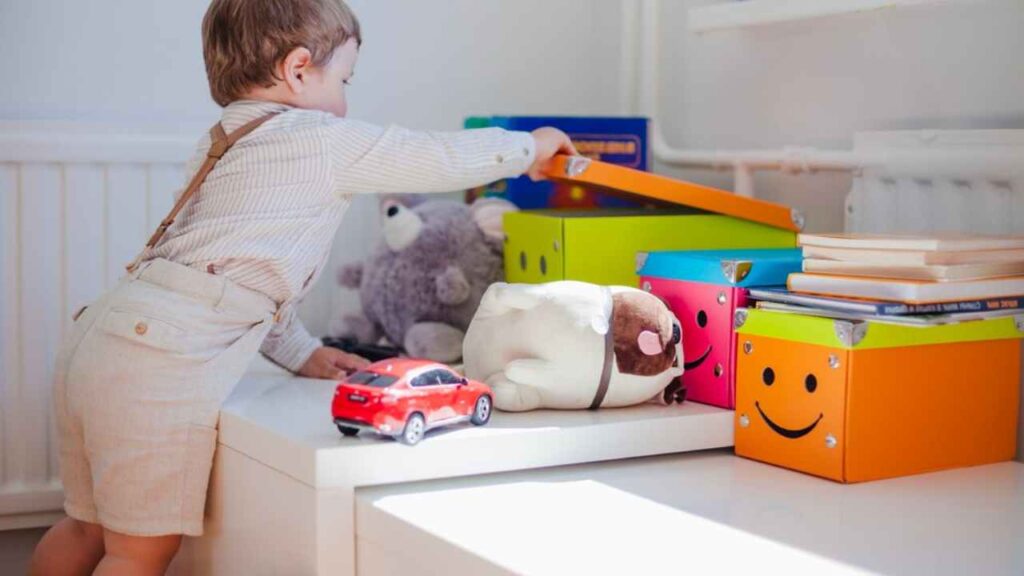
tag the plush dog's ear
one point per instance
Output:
(489, 215)
(649, 343)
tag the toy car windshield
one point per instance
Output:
(371, 379)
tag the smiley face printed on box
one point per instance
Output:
(811, 386)
(705, 312)
(699, 340)
(790, 401)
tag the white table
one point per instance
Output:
(282, 495)
(706, 513)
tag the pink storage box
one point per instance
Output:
(704, 289)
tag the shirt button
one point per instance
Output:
(500, 159)
(141, 328)
(526, 151)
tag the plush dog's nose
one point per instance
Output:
(677, 334)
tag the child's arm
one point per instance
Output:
(371, 159)
(290, 346)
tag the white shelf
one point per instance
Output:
(282, 494)
(285, 423)
(709, 513)
(742, 13)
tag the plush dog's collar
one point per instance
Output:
(609, 356)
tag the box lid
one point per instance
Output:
(864, 335)
(591, 214)
(633, 184)
(745, 268)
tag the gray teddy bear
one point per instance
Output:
(423, 283)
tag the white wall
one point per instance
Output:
(814, 83)
(423, 64)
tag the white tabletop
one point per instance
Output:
(285, 422)
(705, 513)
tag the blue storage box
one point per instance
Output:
(621, 141)
(748, 268)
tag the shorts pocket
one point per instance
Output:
(145, 329)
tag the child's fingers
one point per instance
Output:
(330, 369)
(346, 361)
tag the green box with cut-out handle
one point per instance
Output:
(601, 246)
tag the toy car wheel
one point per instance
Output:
(415, 426)
(347, 430)
(482, 410)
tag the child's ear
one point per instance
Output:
(294, 68)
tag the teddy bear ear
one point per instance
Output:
(407, 200)
(489, 215)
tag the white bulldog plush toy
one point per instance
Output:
(571, 345)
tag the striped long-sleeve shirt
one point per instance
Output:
(267, 214)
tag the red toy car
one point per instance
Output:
(404, 398)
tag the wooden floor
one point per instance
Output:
(16, 548)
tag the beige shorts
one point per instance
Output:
(139, 383)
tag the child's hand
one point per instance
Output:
(550, 141)
(331, 364)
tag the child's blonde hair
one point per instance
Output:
(244, 40)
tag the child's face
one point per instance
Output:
(324, 86)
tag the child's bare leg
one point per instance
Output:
(69, 547)
(137, 555)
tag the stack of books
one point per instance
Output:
(914, 280)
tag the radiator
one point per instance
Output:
(75, 207)
(939, 181)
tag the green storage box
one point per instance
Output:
(601, 247)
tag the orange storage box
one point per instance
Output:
(857, 401)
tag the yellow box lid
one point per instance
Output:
(863, 335)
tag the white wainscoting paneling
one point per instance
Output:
(75, 207)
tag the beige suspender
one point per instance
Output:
(220, 143)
